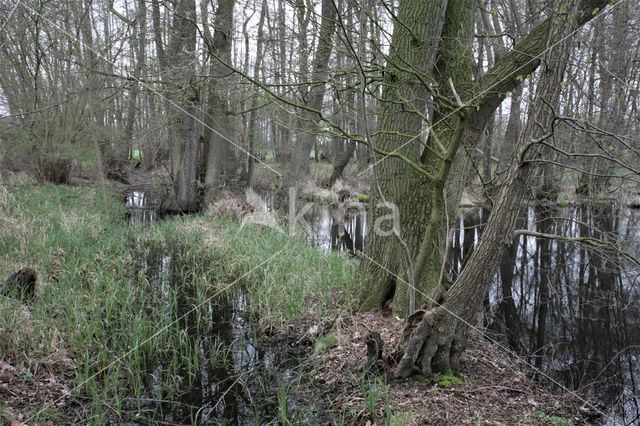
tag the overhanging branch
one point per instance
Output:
(593, 243)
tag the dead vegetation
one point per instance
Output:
(496, 387)
(41, 383)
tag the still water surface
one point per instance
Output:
(572, 312)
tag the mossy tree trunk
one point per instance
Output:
(425, 179)
(404, 99)
(436, 337)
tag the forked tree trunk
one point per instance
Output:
(353, 109)
(420, 198)
(436, 337)
(340, 164)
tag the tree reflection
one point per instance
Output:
(572, 311)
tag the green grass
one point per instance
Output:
(375, 392)
(286, 279)
(107, 320)
(552, 420)
(137, 154)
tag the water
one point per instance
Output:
(336, 228)
(142, 206)
(572, 312)
(237, 377)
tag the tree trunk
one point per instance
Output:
(513, 131)
(340, 164)
(443, 168)
(435, 343)
(221, 160)
(400, 125)
(253, 115)
(315, 95)
(507, 313)
(184, 100)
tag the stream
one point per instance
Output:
(238, 380)
(571, 312)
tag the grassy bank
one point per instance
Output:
(115, 298)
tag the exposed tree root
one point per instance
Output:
(431, 343)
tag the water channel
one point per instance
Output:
(238, 380)
(573, 313)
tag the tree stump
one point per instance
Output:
(21, 284)
(375, 363)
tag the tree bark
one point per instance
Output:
(315, 94)
(435, 343)
(184, 98)
(221, 161)
(421, 202)
(404, 99)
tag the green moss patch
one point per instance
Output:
(448, 380)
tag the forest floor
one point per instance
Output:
(493, 385)
(59, 353)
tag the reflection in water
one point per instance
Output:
(573, 312)
(336, 228)
(141, 207)
(232, 373)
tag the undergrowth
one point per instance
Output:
(115, 298)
